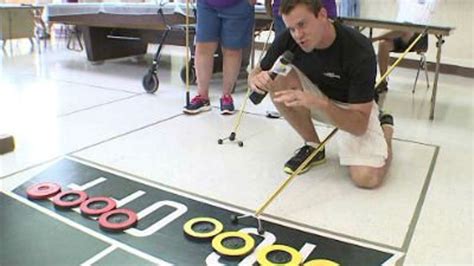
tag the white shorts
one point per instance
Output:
(369, 149)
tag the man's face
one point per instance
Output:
(305, 28)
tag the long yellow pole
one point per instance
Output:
(244, 105)
(187, 52)
(295, 173)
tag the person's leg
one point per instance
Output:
(207, 37)
(356, 8)
(389, 35)
(300, 119)
(392, 41)
(208, 28)
(232, 59)
(344, 8)
(385, 46)
(372, 177)
(204, 63)
(236, 34)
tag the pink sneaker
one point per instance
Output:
(197, 105)
(227, 105)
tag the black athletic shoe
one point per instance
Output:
(300, 157)
(386, 119)
(382, 87)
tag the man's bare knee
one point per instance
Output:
(366, 177)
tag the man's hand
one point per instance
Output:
(298, 98)
(261, 82)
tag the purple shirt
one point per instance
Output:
(221, 3)
(330, 6)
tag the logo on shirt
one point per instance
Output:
(332, 75)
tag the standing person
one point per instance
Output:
(274, 10)
(331, 80)
(331, 8)
(350, 8)
(230, 24)
(412, 11)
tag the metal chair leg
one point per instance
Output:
(425, 67)
(74, 32)
(417, 74)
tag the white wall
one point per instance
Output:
(458, 48)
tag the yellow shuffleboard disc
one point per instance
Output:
(233, 244)
(203, 227)
(279, 255)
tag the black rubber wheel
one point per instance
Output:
(234, 219)
(220, 141)
(241, 144)
(232, 136)
(192, 75)
(260, 231)
(150, 82)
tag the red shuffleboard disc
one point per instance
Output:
(42, 191)
(118, 220)
(96, 206)
(69, 199)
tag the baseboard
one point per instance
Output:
(443, 68)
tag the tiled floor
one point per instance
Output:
(55, 103)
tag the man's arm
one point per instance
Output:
(354, 118)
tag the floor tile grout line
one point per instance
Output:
(98, 87)
(125, 134)
(98, 105)
(417, 142)
(47, 161)
(78, 83)
(365, 241)
(420, 203)
(87, 147)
